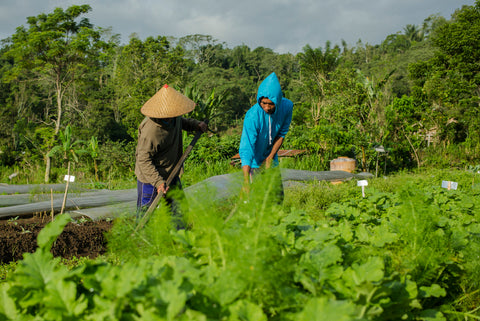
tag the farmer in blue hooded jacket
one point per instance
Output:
(264, 128)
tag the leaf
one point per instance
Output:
(118, 283)
(227, 287)
(149, 313)
(51, 231)
(244, 310)
(315, 238)
(32, 277)
(362, 234)
(324, 309)
(316, 267)
(434, 290)
(54, 150)
(377, 236)
(431, 315)
(344, 229)
(37, 269)
(190, 315)
(329, 255)
(63, 299)
(370, 271)
(8, 309)
(175, 298)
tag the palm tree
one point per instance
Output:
(316, 66)
(319, 63)
(413, 33)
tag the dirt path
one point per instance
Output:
(77, 240)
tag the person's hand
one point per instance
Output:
(246, 188)
(268, 163)
(203, 127)
(162, 189)
(245, 191)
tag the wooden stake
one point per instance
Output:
(66, 189)
(51, 202)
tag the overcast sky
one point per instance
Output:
(281, 25)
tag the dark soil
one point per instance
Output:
(86, 239)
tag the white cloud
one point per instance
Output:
(282, 25)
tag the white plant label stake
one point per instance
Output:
(69, 178)
(449, 185)
(362, 183)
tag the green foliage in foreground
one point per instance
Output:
(407, 251)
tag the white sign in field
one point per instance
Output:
(449, 185)
(69, 178)
(362, 183)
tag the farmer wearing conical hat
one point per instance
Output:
(160, 145)
(264, 128)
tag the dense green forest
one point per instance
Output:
(67, 85)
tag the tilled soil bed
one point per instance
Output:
(86, 239)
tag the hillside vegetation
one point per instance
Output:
(416, 94)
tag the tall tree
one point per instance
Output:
(316, 67)
(143, 67)
(449, 83)
(413, 32)
(53, 52)
(195, 47)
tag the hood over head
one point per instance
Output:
(270, 88)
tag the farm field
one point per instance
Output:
(85, 236)
(26, 209)
(401, 246)
(408, 250)
(85, 239)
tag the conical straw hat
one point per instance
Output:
(167, 103)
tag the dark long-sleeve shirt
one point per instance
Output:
(160, 147)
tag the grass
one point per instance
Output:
(6, 270)
(36, 175)
(195, 173)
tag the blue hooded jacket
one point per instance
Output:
(260, 128)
